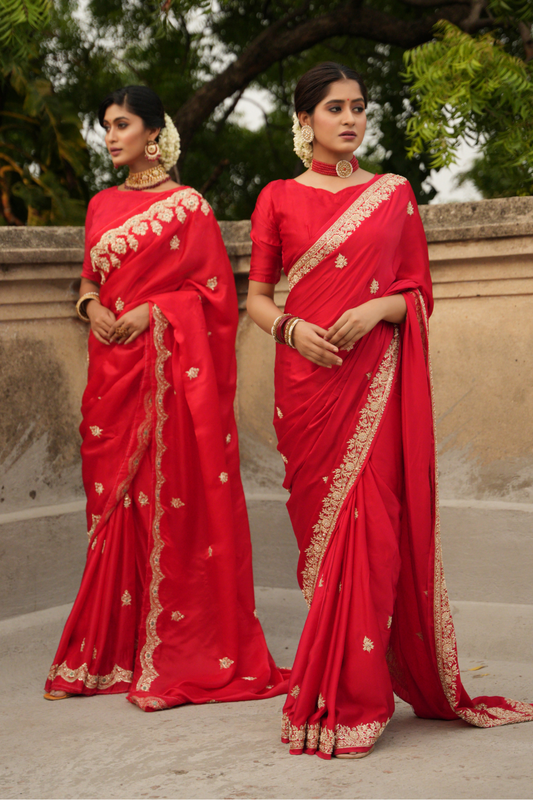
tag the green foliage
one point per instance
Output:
(42, 153)
(18, 22)
(471, 89)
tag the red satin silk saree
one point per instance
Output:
(358, 442)
(165, 610)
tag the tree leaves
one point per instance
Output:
(470, 88)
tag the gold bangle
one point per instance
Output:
(274, 324)
(80, 305)
(291, 332)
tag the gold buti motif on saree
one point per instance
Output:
(146, 658)
(116, 243)
(95, 520)
(346, 474)
(225, 663)
(343, 227)
(126, 598)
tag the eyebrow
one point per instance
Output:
(356, 100)
(117, 119)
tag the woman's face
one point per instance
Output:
(339, 121)
(126, 137)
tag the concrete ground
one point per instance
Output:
(103, 747)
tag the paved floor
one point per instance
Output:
(103, 747)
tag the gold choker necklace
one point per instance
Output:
(147, 179)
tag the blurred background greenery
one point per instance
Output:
(439, 74)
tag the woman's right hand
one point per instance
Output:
(101, 320)
(310, 343)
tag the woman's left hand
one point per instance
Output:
(130, 325)
(354, 324)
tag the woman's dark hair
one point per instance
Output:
(139, 100)
(313, 86)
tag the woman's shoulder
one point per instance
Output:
(273, 195)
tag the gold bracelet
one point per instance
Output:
(80, 305)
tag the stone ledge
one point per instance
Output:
(483, 219)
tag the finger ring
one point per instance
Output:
(122, 332)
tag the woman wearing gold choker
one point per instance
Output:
(166, 608)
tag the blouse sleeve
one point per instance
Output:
(87, 270)
(266, 261)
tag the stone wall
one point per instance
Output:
(482, 266)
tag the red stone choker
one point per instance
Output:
(342, 169)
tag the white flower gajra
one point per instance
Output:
(303, 149)
(169, 144)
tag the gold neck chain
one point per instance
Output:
(147, 179)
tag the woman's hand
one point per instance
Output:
(310, 342)
(101, 319)
(354, 324)
(130, 325)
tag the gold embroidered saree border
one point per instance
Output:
(345, 225)
(143, 440)
(315, 736)
(346, 474)
(482, 716)
(117, 675)
(149, 672)
(116, 242)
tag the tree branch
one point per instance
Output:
(527, 39)
(277, 42)
(434, 3)
(215, 175)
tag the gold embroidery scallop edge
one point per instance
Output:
(346, 474)
(345, 225)
(149, 673)
(482, 716)
(116, 242)
(315, 737)
(117, 675)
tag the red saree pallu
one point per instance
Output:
(358, 442)
(166, 607)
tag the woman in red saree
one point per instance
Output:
(166, 609)
(354, 420)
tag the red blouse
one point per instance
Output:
(287, 216)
